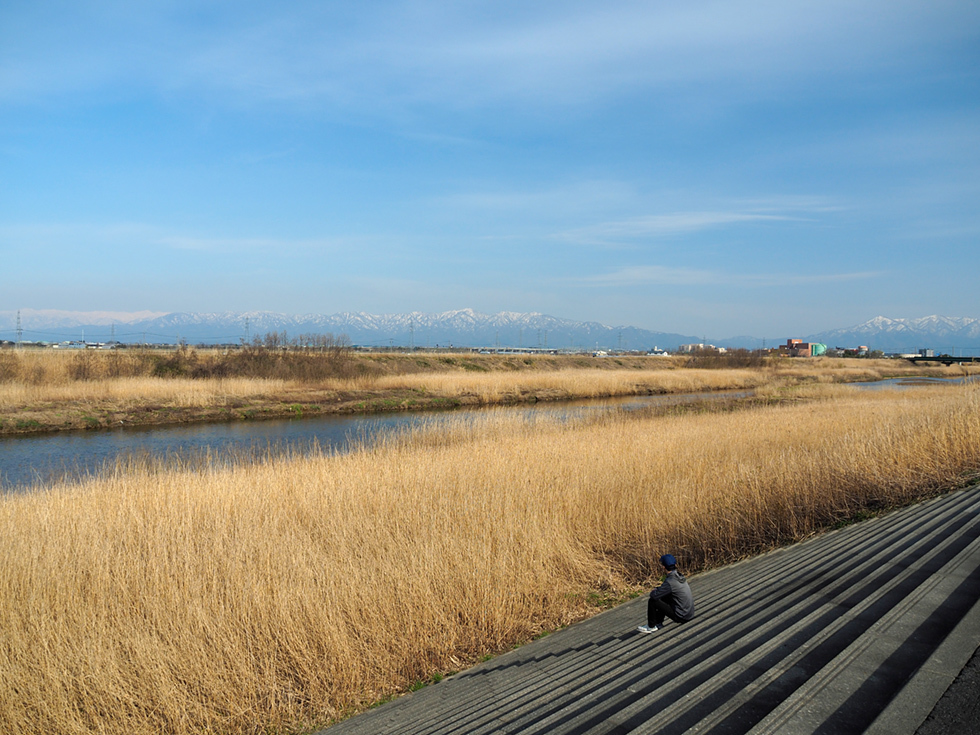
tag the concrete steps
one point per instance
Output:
(860, 629)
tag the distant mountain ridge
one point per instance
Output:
(460, 328)
(938, 333)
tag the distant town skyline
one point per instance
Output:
(765, 168)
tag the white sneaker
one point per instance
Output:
(648, 628)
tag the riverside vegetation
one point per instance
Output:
(45, 390)
(283, 595)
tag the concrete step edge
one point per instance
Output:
(517, 696)
(691, 698)
(803, 698)
(906, 712)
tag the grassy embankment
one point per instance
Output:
(43, 390)
(275, 597)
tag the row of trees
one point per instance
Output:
(310, 342)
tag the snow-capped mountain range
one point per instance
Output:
(461, 328)
(939, 333)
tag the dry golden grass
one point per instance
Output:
(59, 367)
(504, 387)
(50, 389)
(168, 391)
(485, 388)
(284, 594)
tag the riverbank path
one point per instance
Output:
(861, 629)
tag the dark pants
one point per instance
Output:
(657, 610)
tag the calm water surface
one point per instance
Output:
(32, 461)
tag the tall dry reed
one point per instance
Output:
(501, 387)
(136, 391)
(34, 377)
(286, 593)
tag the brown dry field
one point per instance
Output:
(46, 390)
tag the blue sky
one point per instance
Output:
(720, 168)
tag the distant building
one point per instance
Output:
(700, 347)
(859, 351)
(799, 348)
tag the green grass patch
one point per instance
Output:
(423, 683)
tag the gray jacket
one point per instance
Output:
(676, 593)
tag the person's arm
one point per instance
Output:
(662, 591)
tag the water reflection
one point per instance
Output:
(44, 459)
(912, 382)
(39, 460)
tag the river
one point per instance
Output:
(33, 461)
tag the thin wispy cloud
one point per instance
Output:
(547, 202)
(593, 201)
(548, 53)
(655, 275)
(663, 225)
(427, 52)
